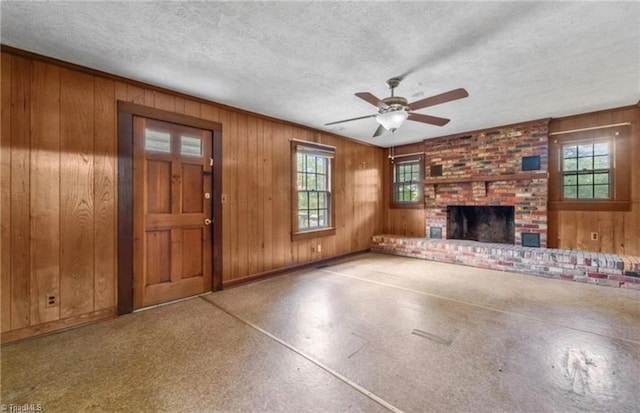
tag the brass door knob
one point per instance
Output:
(207, 221)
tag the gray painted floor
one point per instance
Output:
(374, 333)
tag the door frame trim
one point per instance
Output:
(126, 112)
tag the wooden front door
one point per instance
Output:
(172, 211)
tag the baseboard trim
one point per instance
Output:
(290, 268)
(58, 325)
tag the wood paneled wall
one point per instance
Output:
(619, 232)
(58, 192)
(407, 222)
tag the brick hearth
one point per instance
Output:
(602, 269)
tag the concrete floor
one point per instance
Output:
(374, 333)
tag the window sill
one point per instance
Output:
(317, 233)
(416, 205)
(607, 205)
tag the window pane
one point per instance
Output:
(570, 179)
(311, 182)
(303, 201)
(601, 191)
(601, 149)
(320, 182)
(313, 200)
(320, 168)
(585, 179)
(585, 150)
(414, 192)
(300, 163)
(414, 168)
(157, 141)
(313, 218)
(322, 218)
(601, 162)
(300, 180)
(570, 151)
(570, 191)
(602, 178)
(322, 200)
(570, 164)
(190, 146)
(310, 163)
(585, 163)
(585, 191)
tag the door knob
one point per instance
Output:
(207, 221)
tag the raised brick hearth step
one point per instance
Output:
(602, 269)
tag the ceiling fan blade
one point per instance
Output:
(432, 120)
(379, 131)
(349, 120)
(438, 99)
(368, 97)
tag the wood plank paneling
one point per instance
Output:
(235, 219)
(244, 202)
(210, 112)
(76, 193)
(266, 177)
(192, 108)
(228, 165)
(135, 94)
(163, 101)
(256, 188)
(20, 192)
(179, 105)
(254, 192)
(5, 194)
(104, 195)
(45, 193)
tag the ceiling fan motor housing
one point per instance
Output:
(393, 104)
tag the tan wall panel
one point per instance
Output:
(105, 201)
(5, 195)
(76, 193)
(20, 191)
(45, 193)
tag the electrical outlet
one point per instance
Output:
(52, 301)
(319, 248)
(594, 236)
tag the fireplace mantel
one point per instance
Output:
(487, 178)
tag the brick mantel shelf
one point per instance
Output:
(487, 178)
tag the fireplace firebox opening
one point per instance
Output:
(481, 223)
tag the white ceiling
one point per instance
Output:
(303, 61)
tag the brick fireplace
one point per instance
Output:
(502, 167)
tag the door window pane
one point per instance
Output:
(190, 146)
(157, 141)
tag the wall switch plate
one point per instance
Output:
(594, 236)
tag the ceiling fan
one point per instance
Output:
(394, 110)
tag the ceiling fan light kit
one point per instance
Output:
(392, 120)
(394, 110)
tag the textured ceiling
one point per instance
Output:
(303, 61)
